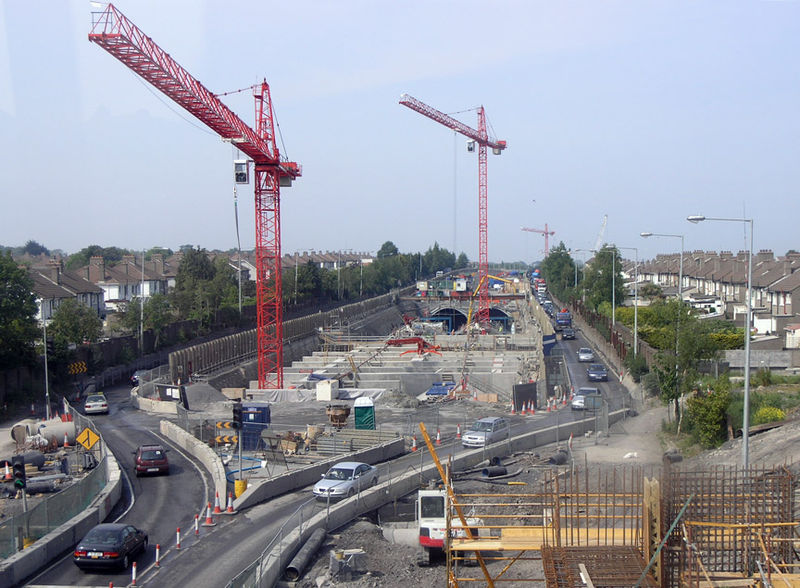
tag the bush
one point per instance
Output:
(763, 377)
(651, 385)
(708, 417)
(768, 414)
(637, 366)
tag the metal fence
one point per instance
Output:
(24, 528)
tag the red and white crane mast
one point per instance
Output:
(481, 137)
(112, 31)
(546, 232)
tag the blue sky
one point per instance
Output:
(646, 111)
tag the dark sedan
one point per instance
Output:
(110, 545)
(597, 372)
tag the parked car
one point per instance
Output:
(95, 404)
(597, 372)
(486, 431)
(151, 459)
(109, 545)
(579, 400)
(345, 479)
(567, 333)
(585, 354)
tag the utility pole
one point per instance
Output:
(46, 376)
(141, 312)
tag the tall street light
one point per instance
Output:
(680, 304)
(746, 416)
(680, 270)
(635, 299)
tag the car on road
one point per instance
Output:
(486, 431)
(585, 354)
(567, 333)
(345, 479)
(597, 372)
(109, 545)
(151, 459)
(579, 400)
(95, 404)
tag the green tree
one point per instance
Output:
(650, 291)
(462, 261)
(110, 255)
(158, 314)
(602, 276)
(74, 322)
(559, 271)
(706, 414)
(388, 249)
(35, 249)
(193, 295)
(18, 327)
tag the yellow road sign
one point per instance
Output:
(87, 438)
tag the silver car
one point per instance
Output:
(345, 479)
(486, 431)
(585, 354)
(95, 404)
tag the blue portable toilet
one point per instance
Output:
(256, 417)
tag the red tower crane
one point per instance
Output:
(112, 31)
(546, 232)
(481, 137)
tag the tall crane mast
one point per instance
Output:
(112, 31)
(481, 137)
(546, 232)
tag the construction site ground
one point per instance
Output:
(635, 441)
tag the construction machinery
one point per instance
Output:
(482, 139)
(112, 31)
(546, 232)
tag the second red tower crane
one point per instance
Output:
(481, 137)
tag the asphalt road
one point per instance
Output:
(159, 505)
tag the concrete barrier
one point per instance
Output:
(19, 566)
(156, 406)
(260, 491)
(202, 452)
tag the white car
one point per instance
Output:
(585, 354)
(95, 404)
(345, 479)
(579, 400)
(486, 431)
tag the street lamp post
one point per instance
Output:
(746, 416)
(635, 299)
(680, 303)
(680, 268)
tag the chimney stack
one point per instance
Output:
(97, 269)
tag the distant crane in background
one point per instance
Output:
(546, 232)
(112, 31)
(481, 137)
(601, 235)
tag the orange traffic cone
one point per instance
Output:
(209, 521)
(217, 509)
(523, 411)
(531, 410)
(438, 437)
(230, 510)
(414, 443)
(513, 411)
(66, 441)
(458, 436)
(8, 475)
(548, 405)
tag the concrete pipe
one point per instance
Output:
(56, 429)
(494, 471)
(299, 562)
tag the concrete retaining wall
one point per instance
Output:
(156, 406)
(202, 452)
(24, 563)
(264, 490)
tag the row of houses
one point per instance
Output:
(105, 287)
(716, 283)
